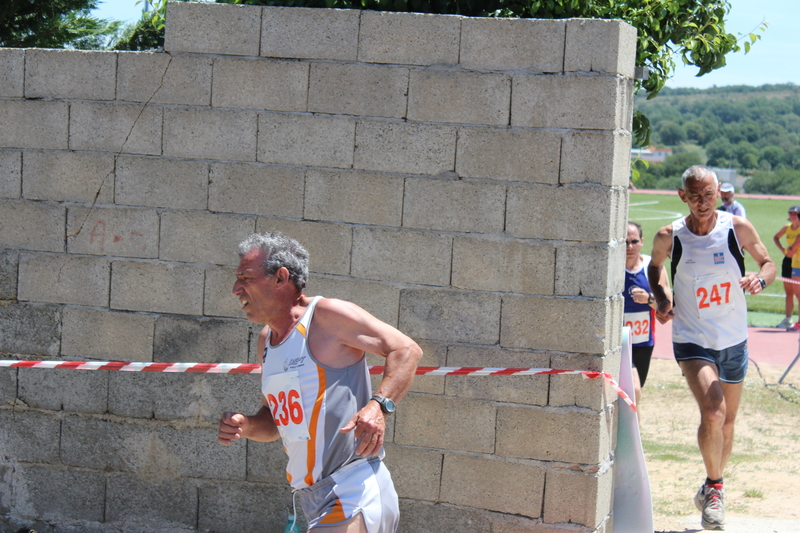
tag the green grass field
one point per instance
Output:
(653, 211)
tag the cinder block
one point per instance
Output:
(549, 434)
(164, 78)
(161, 182)
(157, 287)
(67, 390)
(530, 390)
(10, 172)
(342, 196)
(213, 29)
(267, 190)
(58, 494)
(196, 453)
(203, 340)
(504, 523)
(457, 96)
(453, 316)
(8, 388)
(316, 140)
(398, 255)
(219, 501)
(266, 461)
(30, 329)
(107, 335)
(326, 33)
(517, 266)
(9, 260)
(535, 45)
(514, 154)
(590, 269)
(260, 83)
(29, 438)
(454, 420)
(328, 245)
(596, 157)
(210, 134)
(68, 176)
(426, 517)
(593, 102)
(379, 299)
(358, 89)
(521, 491)
(568, 390)
(218, 298)
(113, 445)
(12, 64)
(125, 232)
(132, 498)
(127, 128)
(565, 324)
(220, 234)
(32, 225)
(88, 75)
(431, 203)
(595, 45)
(564, 488)
(417, 471)
(408, 38)
(433, 354)
(538, 211)
(405, 147)
(64, 279)
(34, 124)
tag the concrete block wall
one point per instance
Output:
(463, 179)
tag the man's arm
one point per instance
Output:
(777, 240)
(657, 275)
(750, 241)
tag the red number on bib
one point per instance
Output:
(273, 406)
(705, 299)
(295, 409)
(283, 409)
(639, 327)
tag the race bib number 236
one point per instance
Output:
(282, 392)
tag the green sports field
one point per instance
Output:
(653, 211)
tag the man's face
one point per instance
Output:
(727, 197)
(701, 196)
(255, 289)
(633, 243)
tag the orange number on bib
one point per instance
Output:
(706, 299)
(639, 327)
(283, 409)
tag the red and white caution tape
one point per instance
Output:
(249, 368)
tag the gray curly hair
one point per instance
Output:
(697, 172)
(280, 251)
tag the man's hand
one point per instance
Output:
(231, 427)
(639, 295)
(750, 284)
(370, 427)
(664, 312)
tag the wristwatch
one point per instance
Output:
(762, 282)
(387, 404)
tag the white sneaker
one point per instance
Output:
(710, 499)
(786, 323)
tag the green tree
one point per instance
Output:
(671, 133)
(148, 32)
(53, 24)
(783, 181)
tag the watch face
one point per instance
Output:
(389, 405)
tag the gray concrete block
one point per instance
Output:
(125, 232)
(113, 445)
(427, 517)
(303, 139)
(88, 75)
(63, 279)
(564, 487)
(9, 261)
(409, 38)
(220, 234)
(258, 189)
(210, 134)
(34, 124)
(430, 204)
(107, 335)
(127, 128)
(329, 245)
(161, 182)
(574, 390)
(30, 329)
(592, 270)
(164, 78)
(6, 473)
(68, 176)
(530, 390)
(200, 340)
(433, 354)
(593, 102)
(512, 266)
(59, 494)
(535, 45)
(521, 491)
(10, 172)
(219, 501)
(326, 33)
(595, 45)
(437, 95)
(379, 299)
(354, 197)
(8, 386)
(218, 298)
(151, 504)
(12, 64)
(405, 147)
(417, 471)
(453, 316)
(266, 461)
(67, 390)
(454, 420)
(358, 89)
(29, 436)
(157, 287)
(398, 255)
(514, 154)
(596, 157)
(32, 225)
(565, 324)
(213, 28)
(260, 83)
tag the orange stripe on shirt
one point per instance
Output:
(311, 451)
(336, 516)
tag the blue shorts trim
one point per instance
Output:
(796, 272)
(731, 362)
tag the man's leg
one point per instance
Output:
(354, 525)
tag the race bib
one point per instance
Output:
(713, 295)
(640, 326)
(282, 392)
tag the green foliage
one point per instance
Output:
(53, 24)
(148, 32)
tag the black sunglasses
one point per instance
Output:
(634, 242)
